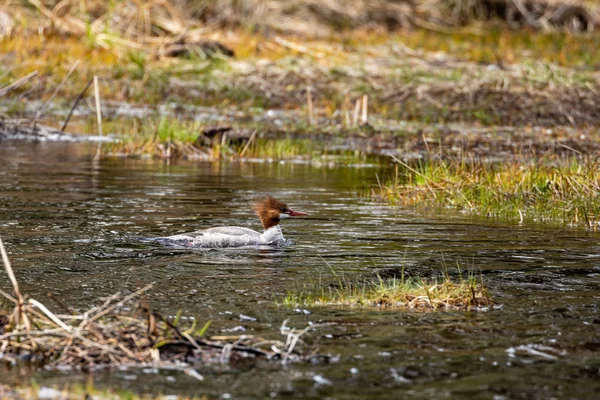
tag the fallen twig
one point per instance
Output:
(76, 103)
(108, 336)
(18, 83)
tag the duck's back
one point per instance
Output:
(230, 230)
(222, 236)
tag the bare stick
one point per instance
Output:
(248, 143)
(98, 114)
(8, 296)
(76, 103)
(50, 315)
(356, 112)
(309, 103)
(426, 145)
(11, 274)
(13, 280)
(292, 340)
(18, 83)
(118, 304)
(343, 113)
(45, 332)
(60, 85)
(193, 373)
(98, 108)
(365, 112)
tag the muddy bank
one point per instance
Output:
(399, 82)
(487, 94)
(23, 129)
(251, 134)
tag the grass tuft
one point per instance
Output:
(402, 292)
(566, 192)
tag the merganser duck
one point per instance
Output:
(269, 210)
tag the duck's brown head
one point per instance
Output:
(270, 211)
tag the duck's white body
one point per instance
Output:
(228, 236)
(270, 212)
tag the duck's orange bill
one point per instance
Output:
(293, 213)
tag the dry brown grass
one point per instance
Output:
(142, 23)
(470, 75)
(123, 331)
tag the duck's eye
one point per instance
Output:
(284, 210)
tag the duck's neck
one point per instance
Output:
(272, 235)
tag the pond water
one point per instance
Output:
(75, 227)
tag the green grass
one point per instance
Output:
(285, 148)
(566, 192)
(153, 136)
(499, 44)
(401, 292)
(172, 129)
(166, 137)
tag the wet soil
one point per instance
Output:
(380, 137)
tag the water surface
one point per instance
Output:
(75, 227)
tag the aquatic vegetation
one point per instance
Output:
(543, 190)
(162, 137)
(170, 137)
(286, 148)
(401, 292)
(173, 129)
